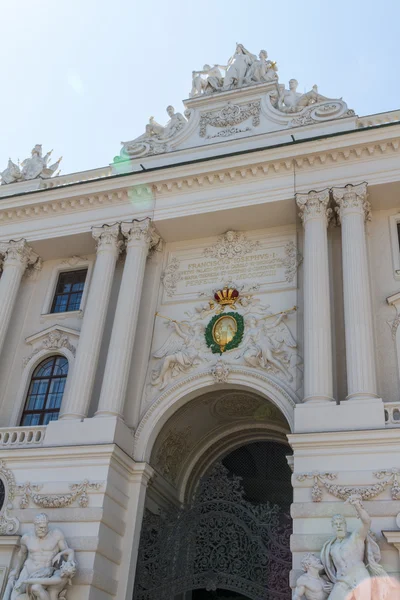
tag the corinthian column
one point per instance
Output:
(80, 383)
(354, 210)
(17, 256)
(140, 236)
(314, 212)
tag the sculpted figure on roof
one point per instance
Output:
(242, 69)
(291, 101)
(156, 137)
(31, 168)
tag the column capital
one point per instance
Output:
(107, 238)
(17, 253)
(138, 233)
(314, 205)
(352, 199)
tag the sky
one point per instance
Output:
(80, 76)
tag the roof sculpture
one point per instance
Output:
(213, 111)
(31, 168)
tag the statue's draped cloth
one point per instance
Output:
(381, 582)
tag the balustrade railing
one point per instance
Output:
(392, 414)
(21, 437)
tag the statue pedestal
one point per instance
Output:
(8, 547)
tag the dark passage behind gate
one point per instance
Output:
(232, 541)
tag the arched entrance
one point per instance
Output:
(225, 455)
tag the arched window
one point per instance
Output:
(45, 391)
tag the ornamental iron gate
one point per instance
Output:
(226, 539)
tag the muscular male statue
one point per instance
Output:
(351, 560)
(39, 552)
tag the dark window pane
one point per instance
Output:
(45, 392)
(69, 291)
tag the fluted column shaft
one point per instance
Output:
(17, 256)
(80, 383)
(354, 209)
(318, 383)
(140, 236)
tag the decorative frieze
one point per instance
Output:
(387, 478)
(79, 491)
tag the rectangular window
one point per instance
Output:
(69, 291)
(398, 233)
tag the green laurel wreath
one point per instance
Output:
(237, 338)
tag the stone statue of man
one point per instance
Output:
(311, 585)
(40, 551)
(351, 560)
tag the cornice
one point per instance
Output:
(359, 145)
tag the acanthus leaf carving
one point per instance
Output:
(171, 276)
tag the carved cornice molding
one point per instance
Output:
(79, 491)
(352, 198)
(212, 178)
(387, 477)
(314, 205)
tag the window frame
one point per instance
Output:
(68, 294)
(44, 411)
(65, 267)
(394, 224)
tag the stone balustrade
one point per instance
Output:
(21, 437)
(392, 414)
(379, 119)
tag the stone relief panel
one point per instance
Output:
(230, 120)
(271, 262)
(214, 301)
(388, 478)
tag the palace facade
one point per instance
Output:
(200, 351)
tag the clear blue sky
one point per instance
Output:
(79, 76)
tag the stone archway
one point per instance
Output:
(176, 396)
(226, 530)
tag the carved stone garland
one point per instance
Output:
(78, 490)
(8, 525)
(388, 477)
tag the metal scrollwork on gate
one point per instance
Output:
(220, 541)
